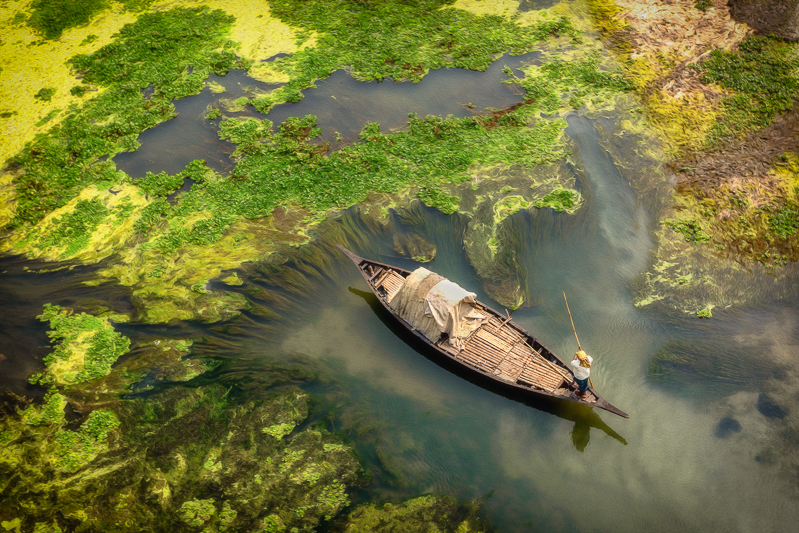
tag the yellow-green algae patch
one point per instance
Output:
(488, 7)
(87, 235)
(85, 349)
(577, 12)
(233, 280)
(30, 64)
(12, 525)
(173, 286)
(694, 269)
(496, 194)
(7, 198)
(259, 34)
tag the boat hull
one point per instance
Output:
(367, 268)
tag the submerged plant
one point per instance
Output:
(76, 448)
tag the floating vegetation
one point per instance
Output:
(398, 40)
(691, 230)
(52, 17)
(48, 117)
(160, 49)
(761, 82)
(784, 221)
(559, 200)
(45, 94)
(74, 228)
(86, 347)
(571, 84)
(276, 169)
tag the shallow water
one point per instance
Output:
(538, 464)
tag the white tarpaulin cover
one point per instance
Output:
(435, 305)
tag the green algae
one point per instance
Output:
(72, 231)
(761, 82)
(400, 40)
(48, 117)
(86, 346)
(559, 200)
(564, 84)
(690, 229)
(45, 94)
(160, 49)
(276, 169)
(51, 411)
(278, 431)
(196, 513)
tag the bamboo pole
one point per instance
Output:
(575, 334)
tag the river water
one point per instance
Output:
(533, 465)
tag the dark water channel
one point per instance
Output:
(682, 462)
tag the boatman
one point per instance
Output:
(582, 369)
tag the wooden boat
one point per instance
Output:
(498, 349)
